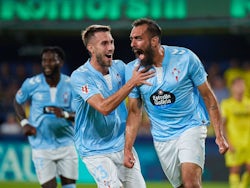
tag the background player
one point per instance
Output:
(48, 127)
(236, 114)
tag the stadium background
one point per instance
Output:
(217, 31)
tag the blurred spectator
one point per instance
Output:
(213, 70)
(8, 96)
(234, 70)
(10, 126)
(8, 88)
(219, 87)
(20, 73)
(5, 72)
(36, 68)
(246, 76)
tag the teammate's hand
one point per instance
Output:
(129, 159)
(140, 77)
(29, 130)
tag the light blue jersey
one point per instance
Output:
(96, 133)
(52, 132)
(173, 102)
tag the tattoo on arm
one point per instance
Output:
(213, 107)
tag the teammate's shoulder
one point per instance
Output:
(79, 70)
(117, 61)
(177, 50)
(34, 80)
(65, 77)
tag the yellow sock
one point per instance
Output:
(244, 180)
(234, 180)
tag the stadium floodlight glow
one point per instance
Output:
(240, 8)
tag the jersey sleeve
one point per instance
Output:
(196, 70)
(83, 84)
(23, 94)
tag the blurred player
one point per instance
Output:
(101, 112)
(49, 127)
(174, 105)
(236, 114)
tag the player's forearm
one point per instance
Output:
(113, 101)
(215, 116)
(132, 127)
(217, 123)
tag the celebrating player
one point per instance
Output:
(49, 127)
(101, 112)
(175, 106)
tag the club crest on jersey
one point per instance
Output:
(175, 73)
(85, 89)
(162, 98)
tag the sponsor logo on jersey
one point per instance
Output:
(162, 98)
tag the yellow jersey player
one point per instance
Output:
(236, 114)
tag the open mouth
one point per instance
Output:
(47, 69)
(138, 52)
(108, 56)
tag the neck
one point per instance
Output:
(159, 55)
(238, 97)
(102, 69)
(52, 80)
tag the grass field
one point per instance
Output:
(149, 185)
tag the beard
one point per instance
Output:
(101, 61)
(148, 57)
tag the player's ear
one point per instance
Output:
(90, 48)
(154, 41)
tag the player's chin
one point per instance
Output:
(108, 62)
(47, 73)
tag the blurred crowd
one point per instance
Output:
(12, 76)
(220, 75)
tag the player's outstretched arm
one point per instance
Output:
(215, 115)
(107, 105)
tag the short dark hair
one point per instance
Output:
(91, 30)
(54, 49)
(153, 28)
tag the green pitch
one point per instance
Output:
(149, 185)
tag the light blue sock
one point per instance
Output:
(72, 185)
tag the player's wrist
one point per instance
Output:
(65, 114)
(24, 122)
